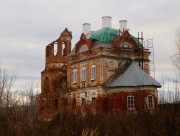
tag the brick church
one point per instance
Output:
(107, 70)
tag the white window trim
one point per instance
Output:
(83, 74)
(148, 102)
(93, 73)
(75, 76)
(130, 106)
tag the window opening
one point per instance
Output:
(83, 102)
(126, 45)
(74, 76)
(55, 48)
(83, 78)
(83, 48)
(130, 102)
(93, 101)
(74, 103)
(93, 72)
(63, 49)
(150, 102)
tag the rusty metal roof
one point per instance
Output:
(134, 76)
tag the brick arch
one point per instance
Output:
(65, 38)
(126, 39)
(83, 41)
(62, 85)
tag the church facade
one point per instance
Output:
(106, 71)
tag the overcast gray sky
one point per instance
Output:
(27, 26)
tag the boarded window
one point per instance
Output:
(93, 72)
(130, 102)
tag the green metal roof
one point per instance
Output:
(104, 35)
(136, 40)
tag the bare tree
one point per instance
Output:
(176, 62)
(7, 81)
(176, 56)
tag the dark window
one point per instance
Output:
(83, 102)
(93, 101)
(63, 83)
(150, 101)
(74, 104)
(56, 103)
(65, 102)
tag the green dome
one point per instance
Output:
(104, 35)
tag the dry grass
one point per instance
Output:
(19, 121)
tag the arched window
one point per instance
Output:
(93, 101)
(83, 48)
(83, 74)
(83, 102)
(46, 84)
(65, 102)
(55, 48)
(126, 45)
(63, 83)
(75, 76)
(63, 49)
(93, 72)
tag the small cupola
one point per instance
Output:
(106, 21)
(123, 25)
(86, 28)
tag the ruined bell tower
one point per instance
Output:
(54, 76)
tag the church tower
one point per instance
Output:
(54, 77)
